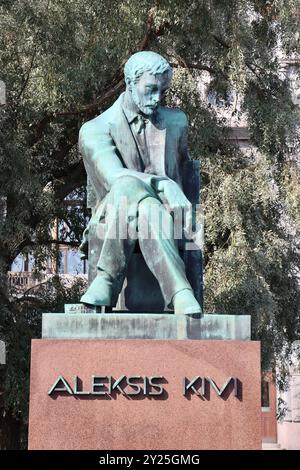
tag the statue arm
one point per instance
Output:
(101, 159)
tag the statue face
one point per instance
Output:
(148, 91)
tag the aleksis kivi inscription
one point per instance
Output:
(144, 385)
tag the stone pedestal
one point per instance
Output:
(144, 326)
(193, 394)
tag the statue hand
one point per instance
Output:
(173, 196)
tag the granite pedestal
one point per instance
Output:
(166, 392)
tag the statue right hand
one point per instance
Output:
(174, 198)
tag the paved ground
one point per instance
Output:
(271, 446)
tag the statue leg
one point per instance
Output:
(119, 239)
(156, 239)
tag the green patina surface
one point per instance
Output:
(136, 151)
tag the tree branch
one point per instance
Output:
(70, 179)
(99, 102)
(28, 73)
(73, 177)
(33, 287)
(29, 298)
(221, 41)
(112, 87)
(248, 64)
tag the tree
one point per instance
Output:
(62, 65)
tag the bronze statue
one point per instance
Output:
(135, 151)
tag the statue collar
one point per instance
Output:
(130, 109)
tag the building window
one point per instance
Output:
(265, 394)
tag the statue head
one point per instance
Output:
(147, 76)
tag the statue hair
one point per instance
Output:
(146, 61)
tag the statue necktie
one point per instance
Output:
(140, 127)
(141, 123)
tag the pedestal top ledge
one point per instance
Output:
(145, 326)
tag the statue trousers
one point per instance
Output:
(134, 213)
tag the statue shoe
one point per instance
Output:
(100, 291)
(185, 303)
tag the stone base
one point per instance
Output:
(144, 326)
(86, 416)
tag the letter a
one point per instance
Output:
(61, 385)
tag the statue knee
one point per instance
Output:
(152, 210)
(154, 221)
(130, 187)
(149, 204)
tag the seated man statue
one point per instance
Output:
(135, 150)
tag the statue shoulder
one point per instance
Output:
(90, 126)
(175, 116)
(100, 123)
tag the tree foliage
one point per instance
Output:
(62, 64)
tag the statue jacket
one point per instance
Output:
(109, 149)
